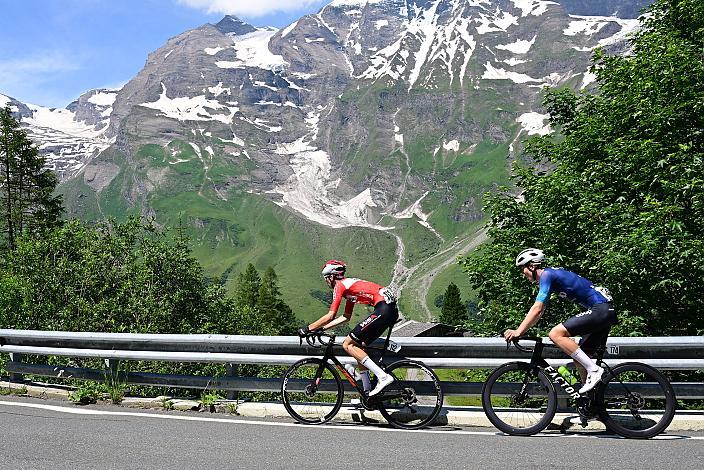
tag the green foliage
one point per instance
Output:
(115, 384)
(619, 196)
(453, 311)
(113, 277)
(26, 186)
(247, 288)
(129, 277)
(13, 391)
(209, 398)
(86, 393)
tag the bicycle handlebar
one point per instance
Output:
(524, 349)
(317, 335)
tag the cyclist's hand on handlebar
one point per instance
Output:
(303, 331)
(511, 335)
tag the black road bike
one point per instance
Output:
(633, 399)
(312, 389)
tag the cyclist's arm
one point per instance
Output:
(325, 320)
(532, 317)
(343, 319)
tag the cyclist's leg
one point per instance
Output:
(367, 331)
(590, 344)
(357, 351)
(563, 339)
(598, 318)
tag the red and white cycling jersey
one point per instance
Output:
(355, 291)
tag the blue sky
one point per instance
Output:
(51, 51)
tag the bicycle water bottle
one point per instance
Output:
(567, 375)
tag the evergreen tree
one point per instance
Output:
(29, 205)
(271, 305)
(247, 287)
(453, 310)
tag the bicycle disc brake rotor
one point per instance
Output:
(409, 396)
(311, 390)
(635, 401)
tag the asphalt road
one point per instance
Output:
(43, 434)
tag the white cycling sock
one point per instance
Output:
(586, 361)
(366, 383)
(371, 365)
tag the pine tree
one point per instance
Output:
(247, 288)
(453, 310)
(29, 205)
(271, 305)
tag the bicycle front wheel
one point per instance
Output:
(519, 399)
(414, 399)
(311, 391)
(636, 401)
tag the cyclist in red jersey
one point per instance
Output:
(358, 291)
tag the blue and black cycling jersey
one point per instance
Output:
(570, 286)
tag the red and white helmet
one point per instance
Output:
(335, 269)
(531, 255)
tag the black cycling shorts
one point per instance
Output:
(373, 326)
(593, 326)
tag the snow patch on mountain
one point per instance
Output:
(519, 47)
(498, 21)
(103, 98)
(191, 108)
(417, 209)
(492, 73)
(213, 50)
(452, 145)
(252, 50)
(532, 7)
(218, 89)
(590, 25)
(61, 120)
(534, 123)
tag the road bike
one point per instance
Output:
(312, 389)
(633, 399)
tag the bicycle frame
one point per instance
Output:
(329, 355)
(555, 377)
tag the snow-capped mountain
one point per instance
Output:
(68, 137)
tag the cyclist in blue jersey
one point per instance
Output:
(593, 324)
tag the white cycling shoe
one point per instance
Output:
(381, 384)
(593, 378)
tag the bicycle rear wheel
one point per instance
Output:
(414, 399)
(519, 399)
(311, 391)
(636, 401)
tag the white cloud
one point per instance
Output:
(249, 8)
(30, 77)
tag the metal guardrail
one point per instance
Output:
(673, 353)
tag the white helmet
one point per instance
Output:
(335, 269)
(531, 255)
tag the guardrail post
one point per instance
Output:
(231, 371)
(15, 377)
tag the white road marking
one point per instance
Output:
(88, 411)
